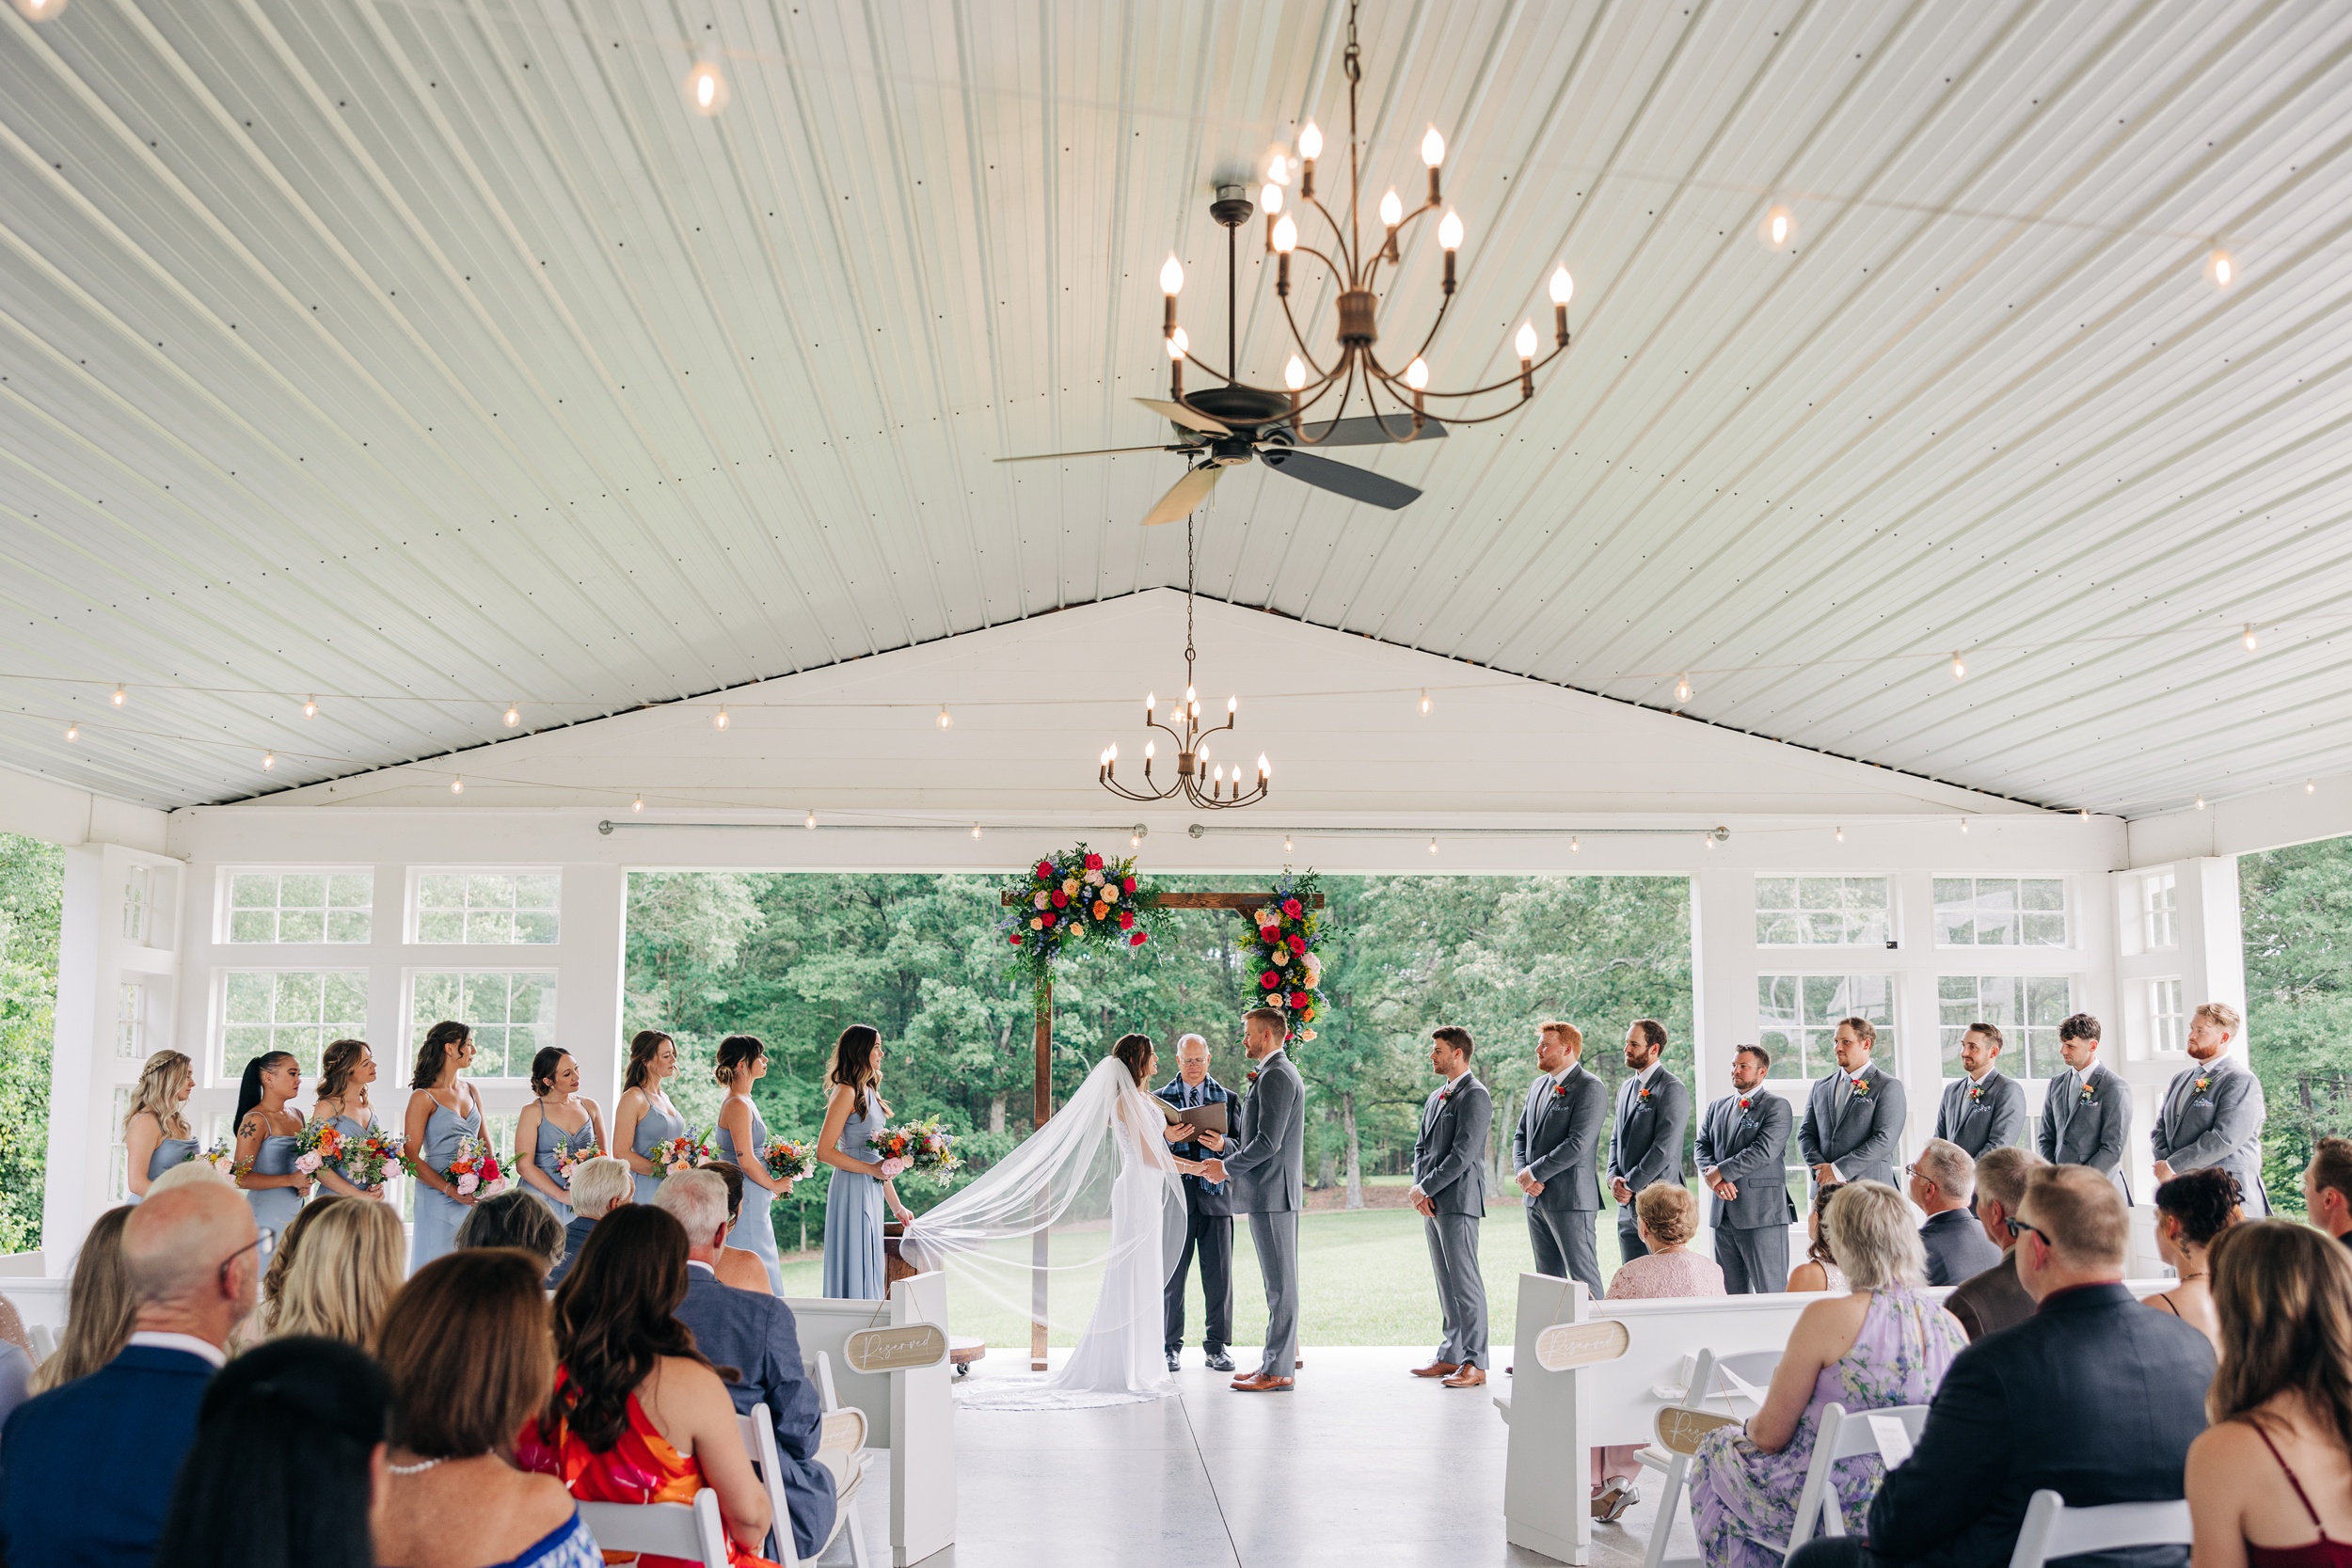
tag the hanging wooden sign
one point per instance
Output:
(895, 1350)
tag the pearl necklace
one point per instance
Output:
(415, 1470)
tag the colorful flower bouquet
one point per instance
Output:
(1290, 972)
(683, 1152)
(366, 1162)
(475, 1172)
(570, 1156)
(1075, 895)
(321, 1144)
(924, 1145)
(788, 1161)
(222, 1156)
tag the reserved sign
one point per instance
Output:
(895, 1350)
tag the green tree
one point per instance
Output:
(2296, 905)
(32, 906)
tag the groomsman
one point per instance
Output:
(2212, 1113)
(2086, 1110)
(1556, 1152)
(1653, 1118)
(1743, 1157)
(1987, 1108)
(1208, 1211)
(1450, 1190)
(1855, 1115)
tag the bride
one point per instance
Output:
(1106, 1151)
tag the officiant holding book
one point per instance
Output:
(1208, 1205)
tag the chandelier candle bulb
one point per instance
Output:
(1295, 373)
(1309, 149)
(1526, 345)
(1433, 153)
(1450, 238)
(1417, 373)
(1266, 769)
(1391, 213)
(1562, 288)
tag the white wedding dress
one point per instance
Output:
(1101, 1158)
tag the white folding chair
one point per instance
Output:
(759, 1441)
(1842, 1435)
(2052, 1529)
(692, 1530)
(1719, 1385)
(846, 1423)
(45, 1342)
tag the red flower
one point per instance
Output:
(1299, 999)
(1126, 884)
(1094, 862)
(1298, 944)
(1060, 898)
(1293, 908)
(1048, 918)
(1136, 940)
(1045, 871)
(1270, 980)
(1016, 938)
(1127, 920)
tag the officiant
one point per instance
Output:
(1208, 1207)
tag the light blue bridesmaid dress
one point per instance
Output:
(659, 1125)
(169, 1154)
(754, 1228)
(544, 1157)
(275, 1208)
(853, 1215)
(351, 1128)
(437, 1217)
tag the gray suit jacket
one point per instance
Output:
(2220, 1124)
(1647, 1145)
(1750, 1149)
(1558, 1141)
(1450, 1155)
(1862, 1142)
(1265, 1162)
(1957, 1247)
(1995, 1119)
(2096, 1129)
(755, 1333)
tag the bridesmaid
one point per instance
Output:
(345, 1072)
(269, 1134)
(155, 1133)
(442, 1113)
(646, 1116)
(743, 1135)
(853, 1199)
(558, 1114)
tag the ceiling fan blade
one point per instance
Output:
(1191, 418)
(1366, 430)
(1357, 485)
(1184, 497)
(1099, 451)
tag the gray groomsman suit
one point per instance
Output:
(1994, 1120)
(1648, 1146)
(1450, 1170)
(1749, 1148)
(2089, 1131)
(1266, 1166)
(1558, 1143)
(2220, 1124)
(1853, 1130)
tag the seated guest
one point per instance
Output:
(1820, 1271)
(739, 1267)
(2093, 1396)
(639, 1414)
(99, 1306)
(85, 1470)
(288, 1462)
(282, 1253)
(190, 1171)
(599, 1186)
(1942, 1181)
(1994, 1300)
(755, 1333)
(1668, 1217)
(354, 1257)
(2327, 1188)
(1883, 1344)
(514, 1218)
(466, 1349)
(2191, 1211)
(2276, 1465)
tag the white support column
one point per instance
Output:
(596, 914)
(1722, 975)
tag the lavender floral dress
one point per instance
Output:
(1743, 1497)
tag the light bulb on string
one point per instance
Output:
(1710, 841)
(310, 707)
(119, 697)
(2250, 640)
(1960, 667)
(976, 830)
(1286, 844)
(638, 805)
(718, 720)
(1778, 231)
(2201, 802)
(1574, 846)
(1963, 824)
(810, 822)
(74, 732)
(705, 90)
(38, 11)
(1134, 841)
(2311, 786)
(1424, 702)
(1433, 846)
(2221, 270)
(269, 760)
(945, 720)
(457, 785)
(1841, 835)
(1682, 689)
(513, 715)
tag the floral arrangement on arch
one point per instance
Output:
(1290, 971)
(1073, 896)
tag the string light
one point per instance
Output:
(119, 697)
(1424, 702)
(811, 822)
(638, 805)
(1135, 840)
(1841, 835)
(1960, 667)
(1574, 847)
(2311, 786)
(1286, 844)
(2251, 641)
(2221, 270)
(269, 760)
(38, 11)
(1433, 844)
(310, 707)
(976, 830)
(944, 720)
(1778, 231)
(705, 90)
(1710, 841)
(1963, 824)
(513, 715)
(1682, 689)
(74, 732)
(2201, 802)
(719, 720)
(458, 785)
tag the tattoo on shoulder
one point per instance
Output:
(250, 1128)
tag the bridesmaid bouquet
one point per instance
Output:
(220, 1156)
(569, 1156)
(922, 1146)
(321, 1144)
(683, 1152)
(475, 1171)
(366, 1161)
(787, 1160)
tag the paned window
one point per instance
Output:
(487, 905)
(1822, 911)
(2000, 911)
(118, 1152)
(138, 903)
(2157, 904)
(131, 1022)
(512, 1015)
(289, 1009)
(2166, 1022)
(2027, 1011)
(301, 906)
(1798, 1015)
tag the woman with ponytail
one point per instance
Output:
(443, 1113)
(743, 1136)
(645, 1120)
(156, 1132)
(559, 1129)
(269, 1135)
(345, 1072)
(860, 1185)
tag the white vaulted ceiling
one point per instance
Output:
(426, 357)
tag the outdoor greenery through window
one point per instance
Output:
(1822, 911)
(296, 1010)
(1797, 1017)
(513, 1015)
(2027, 1012)
(2168, 1020)
(2000, 911)
(488, 907)
(301, 906)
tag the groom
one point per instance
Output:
(1266, 1162)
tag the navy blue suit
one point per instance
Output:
(87, 1470)
(1208, 1228)
(754, 1333)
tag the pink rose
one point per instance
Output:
(467, 1184)
(307, 1162)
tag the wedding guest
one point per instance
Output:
(287, 1470)
(2093, 1396)
(467, 1351)
(156, 1132)
(1819, 1269)
(1653, 1119)
(269, 1136)
(2192, 1210)
(1994, 1300)
(444, 1120)
(2086, 1110)
(755, 1334)
(2327, 1188)
(559, 1126)
(598, 1187)
(645, 1120)
(16, 1378)
(1883, 1344)
(1742, 1156)
(350, 1263)
(100, 1307)
(1943, 1184)
(1449, 1191)
(87, 1468)
(284, 1248)
(2275, 1468)
(516, 1219)
(737, 1267)
(1555, 1153)
(1985, 1108)
(742, 1142)
(1669, 1218)
(346, 1068)
(1854, 1118)
(1208, 1211)
(638, 1414)
(854, 1111)
(2213, 1112)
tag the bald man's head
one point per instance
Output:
(174, 1243)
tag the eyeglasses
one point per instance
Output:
(2017, 1229)
(263, 1244)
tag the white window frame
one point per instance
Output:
(138, 903)
(2168, 1025)
(1975, 880)
(413, 1026)
(2016, 1056)
(1848, 911)
(413, 920)
(218, 1055)
(1794, 1054)
(2159, 910)
(224, 906)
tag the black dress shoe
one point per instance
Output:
(1220, 1362)
(1174, 1365)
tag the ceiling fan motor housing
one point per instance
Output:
(1360, 310)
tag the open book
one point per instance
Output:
(1205, 1118)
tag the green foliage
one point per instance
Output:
(32, 903)
(2297, 907)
